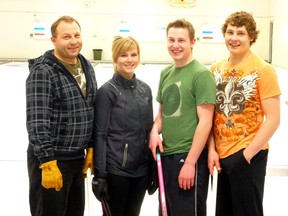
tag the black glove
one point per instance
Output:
(153, 183)
(100, 186)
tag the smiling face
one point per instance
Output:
(127, 62)
(125, 56)
(67, 41)
(180, 46)
(237, 40)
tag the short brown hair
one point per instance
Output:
(67, 19)
(182, 23)
(240, 19)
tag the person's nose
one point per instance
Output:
(234, 36)
(175, 44)
(73, 40)
(129, 58)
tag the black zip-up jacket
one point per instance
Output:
(59, 117)
(123, 120)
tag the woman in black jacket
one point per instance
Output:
(123, 119)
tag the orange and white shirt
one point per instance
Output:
(238, 111)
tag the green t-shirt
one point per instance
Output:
(180, 91)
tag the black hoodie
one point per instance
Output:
(59, 117)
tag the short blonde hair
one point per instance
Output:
(122, 44)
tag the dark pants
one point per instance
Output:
(185, 202)
(69, 201)
(126, 195)
(241, 185)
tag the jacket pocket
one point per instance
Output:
(125, 154)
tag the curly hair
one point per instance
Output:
(240, 19)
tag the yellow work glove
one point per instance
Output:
(51, 175)
(88, 162)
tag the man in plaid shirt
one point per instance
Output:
(60, 94)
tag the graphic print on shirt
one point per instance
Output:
(173, 97)
(236, 103)
(80, 77)
(81, 80)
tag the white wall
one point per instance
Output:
(100, 21)
(280, 41)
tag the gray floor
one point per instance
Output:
(14, 180)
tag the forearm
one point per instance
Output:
(100, 153)
(187, 173)
(157, 125)
(199, 141)
(264, 134)
(211, 141)
(103, 110)
(38, 114)
(155, 140)
(271, 108)
(40, 137)
(205, 113)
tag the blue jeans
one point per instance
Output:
(69, 201)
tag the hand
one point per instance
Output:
(51, 175)
(100, 188)
(88, 162)
(153, 183)
(213, 160)
(154, 142)
(186, 176)
(248, 155)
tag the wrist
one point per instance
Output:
(48, 164)
(189, 163)
(100, 175)
(155, 130)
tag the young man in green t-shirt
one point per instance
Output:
(186, 95)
